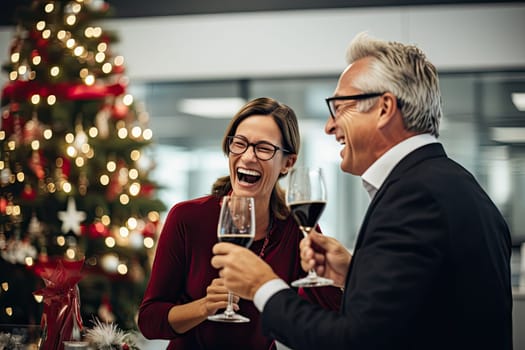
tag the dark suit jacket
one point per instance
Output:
(431, 270)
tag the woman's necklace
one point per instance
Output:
(267, 238)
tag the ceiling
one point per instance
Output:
(141, 8)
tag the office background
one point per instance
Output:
(222, 54)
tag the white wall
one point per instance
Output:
(310, 42)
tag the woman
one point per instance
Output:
(261, 143)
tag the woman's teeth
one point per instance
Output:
(247, 175)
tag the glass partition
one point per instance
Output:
(483, 129)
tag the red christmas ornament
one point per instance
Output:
(96, 230)
(36, 163)
(147, 190)
(114, 189)
(28, 193)
(118, 69)
(3, 205)
(42, 44)
(119, 111)
(150, 229)
(66, 166)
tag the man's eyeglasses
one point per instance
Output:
(330, 101)
(263, 150)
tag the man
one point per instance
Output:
(431, 265)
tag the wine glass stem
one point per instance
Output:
(229, 308)
(311, 273)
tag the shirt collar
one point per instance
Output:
(376, 174)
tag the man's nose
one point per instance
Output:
(329, 127)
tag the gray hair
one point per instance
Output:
(404, 71)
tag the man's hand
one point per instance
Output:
(243, 271)
(326, 255)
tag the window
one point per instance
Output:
(483, 129)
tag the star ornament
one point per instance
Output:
(71, 218)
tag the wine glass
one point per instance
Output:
(236, 225)
(306, 197)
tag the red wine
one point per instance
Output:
(307, 213)
(242, 240)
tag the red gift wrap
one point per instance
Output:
(61, 320)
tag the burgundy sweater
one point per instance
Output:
(182, 271)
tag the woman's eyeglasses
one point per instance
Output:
(263, 150)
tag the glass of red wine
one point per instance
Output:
(236, 225)
(306, 197)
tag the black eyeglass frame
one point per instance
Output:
(359, 97)
(254, 145)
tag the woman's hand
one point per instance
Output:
(217, 297)
(184, 317)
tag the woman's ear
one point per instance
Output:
(289, 163)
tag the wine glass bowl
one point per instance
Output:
(306, 198)
(306, 214)
(236, 225)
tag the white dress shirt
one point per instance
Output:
(372, 179)
(375, 175)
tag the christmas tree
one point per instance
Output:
(75, 166)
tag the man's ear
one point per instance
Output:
(387, 109)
